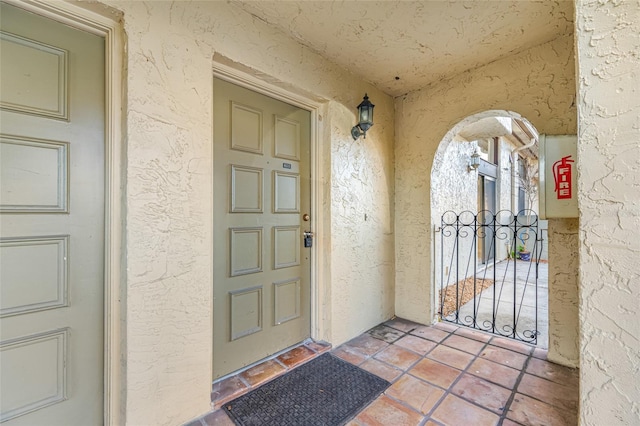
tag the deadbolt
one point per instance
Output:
(306, 217)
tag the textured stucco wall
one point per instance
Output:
(538, 84)
(563, 291)
(453, 186)
(608, 46)
(362, 227)
(170, 49)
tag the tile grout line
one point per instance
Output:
(535, 398)
(448, 391)
(523, 371)
(372, 356)
(514, 391)
(406, 371)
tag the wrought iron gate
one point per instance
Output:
(488, 272)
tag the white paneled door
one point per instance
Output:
(262, 193)
(51, 222)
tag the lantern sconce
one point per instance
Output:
(365, 118)
(475, 162)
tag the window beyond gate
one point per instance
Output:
(500, 297)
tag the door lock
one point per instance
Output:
(308, 238)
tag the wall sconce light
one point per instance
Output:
(365, 118)
(475, 162)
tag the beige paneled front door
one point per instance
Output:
(262, 190)
(51, 222)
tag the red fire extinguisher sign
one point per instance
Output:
(558, 176)
(562, 176)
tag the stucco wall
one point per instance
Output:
(170, 49)
(538, 84)
(608, 45)
(563, 291)
(453, 186)
(455, 189)
(362, 226)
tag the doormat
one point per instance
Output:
(326, 391)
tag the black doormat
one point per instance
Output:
(325, 391)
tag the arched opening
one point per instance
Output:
(490, 269)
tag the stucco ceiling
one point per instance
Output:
(400, 46)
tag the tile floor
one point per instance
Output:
(440, 375)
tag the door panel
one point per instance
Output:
(486, 209)
(490, 205)
(34, 174)
(262, 185)
(26, 290)
(51, 222)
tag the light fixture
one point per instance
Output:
(365, 118)
(475, 161)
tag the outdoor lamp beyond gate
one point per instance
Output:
(475, 161)
(365, 118)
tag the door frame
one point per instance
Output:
(228, 70)
(105, 22)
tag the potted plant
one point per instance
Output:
(523, 253)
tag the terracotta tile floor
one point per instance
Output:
(232, 387)
(440, 375)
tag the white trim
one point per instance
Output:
(108, 27)
(243, 79)
(542, 184)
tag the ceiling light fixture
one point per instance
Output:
(365, 118)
